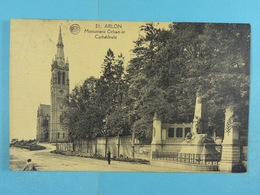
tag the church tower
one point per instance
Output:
(59, 93)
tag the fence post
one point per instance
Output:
(118, 145)
(96, 145)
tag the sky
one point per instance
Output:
(32, 48)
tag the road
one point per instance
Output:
(46, 161)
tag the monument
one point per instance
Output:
(199, 141)
(230, 159)
(157, 134)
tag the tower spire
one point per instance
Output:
(60, 52)
(60, 43)
(59, 91)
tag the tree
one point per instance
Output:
(222, 74)
(217, 68)
(171, 66)
(141, 79)
(113, 92)
(96, 106)
(83, 117)
(168, 68)
(156, 79)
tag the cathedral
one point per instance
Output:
(49, 118)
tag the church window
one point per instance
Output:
(63, 135)
(171, 132)
(58, 135)
(179, 132)
(45, 123)
(63, 78)
(59, 77)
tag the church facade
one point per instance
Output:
(59, 87)
(43, 123)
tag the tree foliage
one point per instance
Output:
(172, 66)
(96, 107)
(168, 68)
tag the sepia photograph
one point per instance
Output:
(121, 96)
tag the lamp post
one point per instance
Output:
(56, 136)
(133, 143)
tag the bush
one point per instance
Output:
(36, 147)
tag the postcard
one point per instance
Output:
(129, 96)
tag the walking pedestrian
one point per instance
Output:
(108, 157)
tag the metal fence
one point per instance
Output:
(123, 148)
(212, 159)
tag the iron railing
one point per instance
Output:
(212, 159)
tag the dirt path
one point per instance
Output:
(46, 161)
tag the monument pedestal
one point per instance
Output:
(202, 146)
(230, 158)
(192, 146)
(157, 135)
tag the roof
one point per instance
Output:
(44, 109)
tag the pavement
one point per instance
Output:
(46, 161)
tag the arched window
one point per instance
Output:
(58, 135)
(63, 78)
(63, 135)
(45, 123)
(59, 79)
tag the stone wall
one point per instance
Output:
(118, 146)
(85, 146)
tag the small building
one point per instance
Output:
(169, 137)
(174, 134)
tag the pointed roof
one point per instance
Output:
(60, 43)
(59, 57)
